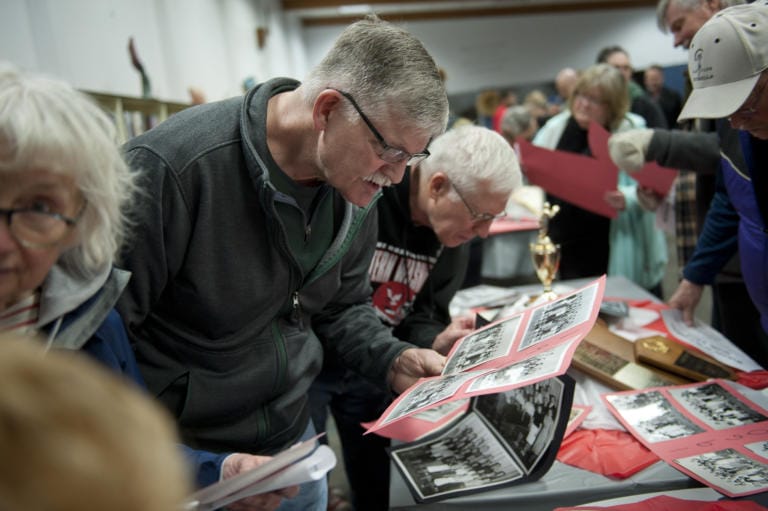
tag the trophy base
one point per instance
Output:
(546, 296)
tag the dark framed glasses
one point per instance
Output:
(388, 153)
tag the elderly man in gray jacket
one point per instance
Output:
(255, 240)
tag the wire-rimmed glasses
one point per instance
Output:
(477, 217)
(35, 228)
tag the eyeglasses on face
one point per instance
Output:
(623, 67)
(591, 100)
(388, 153)
(477, 217)
(34, 228)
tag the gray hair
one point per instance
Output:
(46, 123)
(388, 72)
(470, 154)
(516, 119)
(687, 5)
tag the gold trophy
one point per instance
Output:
(545, 254)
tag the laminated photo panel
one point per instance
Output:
(708, 430)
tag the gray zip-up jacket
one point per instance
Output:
(226, 325)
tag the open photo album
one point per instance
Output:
(533, 345)
(501, 439)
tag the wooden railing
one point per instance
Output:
(132, 115)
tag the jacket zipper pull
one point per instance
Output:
(307, 232)
(297, 316)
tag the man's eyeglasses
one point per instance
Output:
(477, 217)
(389, 154)
(37, 229)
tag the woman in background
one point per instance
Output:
(591, 244)
(518, 121)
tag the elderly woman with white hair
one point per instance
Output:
(64, 192)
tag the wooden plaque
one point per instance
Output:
(671, 356)
(611, 359)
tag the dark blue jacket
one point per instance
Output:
(95, 327)
(746, 188)
(737, 220)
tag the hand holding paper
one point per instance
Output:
(239, 463)
(616, 200)
(648, 199)
(263, 485)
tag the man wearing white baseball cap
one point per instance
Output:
(727, 62)
(705, 257)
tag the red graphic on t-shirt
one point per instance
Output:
(389, 300)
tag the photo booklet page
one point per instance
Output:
(502, 439)
(532, 345)
(498, 412)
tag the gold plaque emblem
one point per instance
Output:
(657, 344)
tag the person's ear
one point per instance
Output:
(326, 104)
(438, 185)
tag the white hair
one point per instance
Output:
(687, 5)
(470, 154)
(46, 124)
(516, 119)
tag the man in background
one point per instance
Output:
(727, 64)
(565, 81)
(668, 100)
(640, 103)
(701, 215)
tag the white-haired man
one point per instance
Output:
(424, 225)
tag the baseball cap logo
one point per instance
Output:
(697, 56)
(701, 73)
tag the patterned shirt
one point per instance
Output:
(21, 317)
